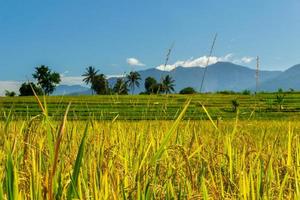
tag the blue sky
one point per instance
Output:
(69, 35)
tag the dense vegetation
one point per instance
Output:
(91, 159)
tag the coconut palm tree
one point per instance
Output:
(133, 80)
(168, 84)
(100, 84)
(89, 75)
(120, 87)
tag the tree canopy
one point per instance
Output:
(26, 90)
(168, 84)
(46, 79)
(150, 85)
(99, 84)
(188, 90)
(120, 87)
(133, 80)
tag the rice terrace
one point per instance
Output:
(102, 100)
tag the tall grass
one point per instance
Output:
(180, 159)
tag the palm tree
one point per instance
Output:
(100, 84)
(120, 87)
(133, 80)
(90, 74)
(168, 84)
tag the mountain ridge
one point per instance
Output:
(221, 76)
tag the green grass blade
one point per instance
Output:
(167, 137)
(72, 188)
(11, 185)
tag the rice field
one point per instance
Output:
(44, 156)
(155, 107)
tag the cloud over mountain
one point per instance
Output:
(203, 61)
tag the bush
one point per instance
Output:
(246, 92)
(235, 104)
(188, 90)
(226, 92)
(26, 90)
(10, 93)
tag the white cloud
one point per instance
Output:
(134, 62)
(204, 60)
(115, 76)
(197, 62)
(247, 60)
(10, 86)
(243, 60)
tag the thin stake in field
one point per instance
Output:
(166, 63)
(256, 84)
(257, 74)
(207, 62)
(168, 55)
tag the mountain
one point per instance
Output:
(71, 90)
(219, 76)
(289, 78)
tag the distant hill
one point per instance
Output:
(70, 89)
(219, 76)
(290, 78)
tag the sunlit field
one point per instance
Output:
(181, 158)
(157, 107)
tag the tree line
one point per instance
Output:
(99, 83)
(47, 80)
